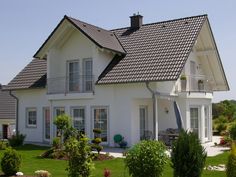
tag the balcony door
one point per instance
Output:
(88, 75)
(73, 74)
(193, 82)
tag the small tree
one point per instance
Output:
(97, 140)
(62, 122)
(11, 162)
(80, 158)
(188, 156)
(231, 165)
(147, 158)
(232, 131)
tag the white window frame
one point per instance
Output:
(87, 78)
(145, 126)
(54, 116)
(73, 118)
(68, 75)
(108, 121)
(31, 109)
(44, 127)
(199, 118)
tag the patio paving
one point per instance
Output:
(210, 148)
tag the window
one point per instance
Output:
(46, 117)
(88, 75)
(31, 117)
(100, 121)
(57, 111)
(194, 120)
(78, 116)
(143, 122)
(74, 80)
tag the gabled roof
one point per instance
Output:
(32, 76)
(7, 105)
(102, 38)
(155, 52)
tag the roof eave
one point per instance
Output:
(218, 56)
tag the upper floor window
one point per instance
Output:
(88, 74)
(31, 117)
(74, 73)
(80, 76)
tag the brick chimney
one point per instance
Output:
(136, 21)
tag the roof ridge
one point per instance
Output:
(165, 21)
(109, 31)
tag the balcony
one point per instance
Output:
(72, 84)
(194, 83)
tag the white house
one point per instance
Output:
(123, 81)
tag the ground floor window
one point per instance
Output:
(194, 120)
(58, 111)
(31, 117)
(143, 122)
(46, 120)
(100, 120)
(78, 117)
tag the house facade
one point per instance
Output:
(123, 81)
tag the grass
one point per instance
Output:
(32, 162)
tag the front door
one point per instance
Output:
(4, 131)
(194, 120)
(143, 122)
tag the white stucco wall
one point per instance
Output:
(32, 98)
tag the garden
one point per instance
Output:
(71, 155)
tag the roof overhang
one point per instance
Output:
(63, 29)
(206, 49)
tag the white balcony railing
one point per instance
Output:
(74, 84)
(195, 83)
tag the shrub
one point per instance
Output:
(56, 142)
(147, 158)
(3, 145)
(79, 155)
(232, 131)
(11, 162)
(16, 140)
(220, 127)
(188, 156)
(97, 140)
(231, 165)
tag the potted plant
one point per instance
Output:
(200, 85)
(183, 80)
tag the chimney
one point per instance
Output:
(136, 21)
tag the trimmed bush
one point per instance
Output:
(16, 140)
(232, 131)
(80, 158)
(231, 165)
(97, 140)
(11, 162)
(147, 158)
(188, 156)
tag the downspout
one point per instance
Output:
(17, 110)
(154, 102)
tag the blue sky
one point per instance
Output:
(25, 24)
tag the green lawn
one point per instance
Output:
(32, 162)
